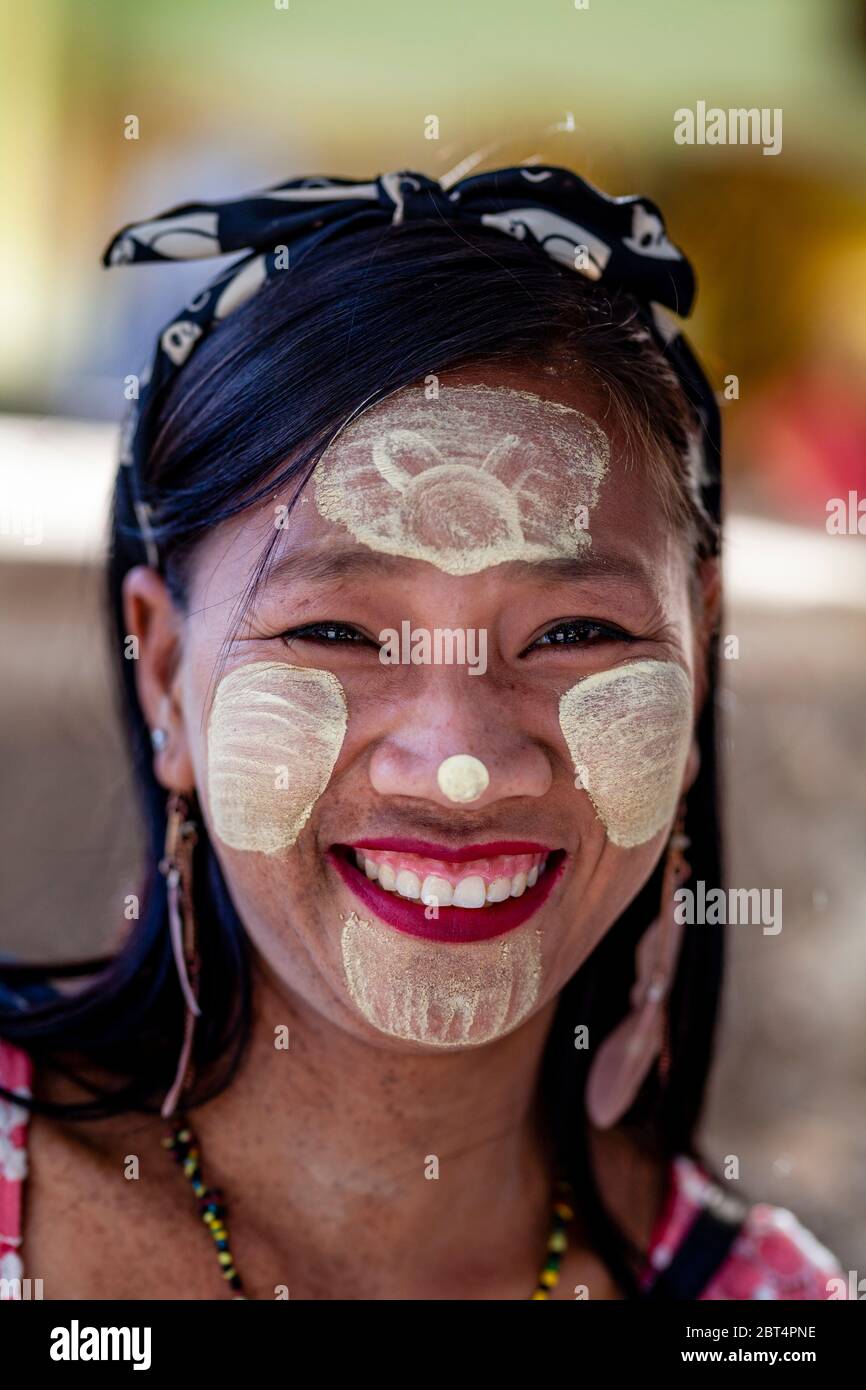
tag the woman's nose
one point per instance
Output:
(459, 756)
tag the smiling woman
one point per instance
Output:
(453, 898)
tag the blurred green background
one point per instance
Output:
(230, 95)
(235, 94)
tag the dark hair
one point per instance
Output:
(253, 409)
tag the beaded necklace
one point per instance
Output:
(183, 1146)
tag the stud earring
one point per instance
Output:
(158, 739)
(627, 1053)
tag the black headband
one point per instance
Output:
(619, 242)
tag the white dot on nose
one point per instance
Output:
(462, 777)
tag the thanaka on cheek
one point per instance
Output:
(274, 736)
(628, 731)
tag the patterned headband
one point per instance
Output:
(619, 242)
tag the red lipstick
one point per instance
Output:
(455, 854)
(453, 924)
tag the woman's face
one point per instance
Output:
(444, 746)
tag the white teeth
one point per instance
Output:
(387, 877)
(408, 885)
(437, 890)
(499, 890)
(470, 892)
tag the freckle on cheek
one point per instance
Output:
(628, 731)
(274, 735)
(445, 995)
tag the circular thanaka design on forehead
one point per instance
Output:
(442, 994)
(476, 477)
(628, 731)
(274, 735)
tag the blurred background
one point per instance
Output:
(230, 95)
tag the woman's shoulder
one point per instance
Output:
(16, 1074)
(773, 1256)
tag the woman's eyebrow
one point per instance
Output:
(332, 564)
(596, 565)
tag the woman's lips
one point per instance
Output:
(461, 854)
(482, 866)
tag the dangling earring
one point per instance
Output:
(626, 1055)
(176, 865)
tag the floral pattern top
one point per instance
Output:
(772, 1257)
(16, 1071)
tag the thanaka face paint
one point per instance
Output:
(474, 478)
(628, 731)
(462, 777)
(445, 995)
(274, 735)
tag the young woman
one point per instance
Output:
(415, 590)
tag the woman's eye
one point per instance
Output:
(324, 632)
(580, 632)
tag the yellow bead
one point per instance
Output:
(224, 1257)
(541, 1293)
(558, 1241)
(548, 1277)
(564, 1211)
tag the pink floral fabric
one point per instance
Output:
(773, 1257)
(16, 1074)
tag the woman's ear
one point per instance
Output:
(692, 768)
(707, 615)
(707, 612)
(152, 618)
